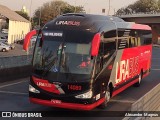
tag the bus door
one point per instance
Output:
(106, 57)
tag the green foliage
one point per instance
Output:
(72, 9)
(51, 10)
(141, 6)
(158, 3)
(23, 14)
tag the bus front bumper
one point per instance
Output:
(67, 105)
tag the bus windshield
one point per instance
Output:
(60, 56)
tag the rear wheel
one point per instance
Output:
(139, 80)
(107, 98)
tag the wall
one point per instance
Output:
(15, 67)
(149, 102)
(17, 30)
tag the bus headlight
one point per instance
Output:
(85, 95)
(32, 89)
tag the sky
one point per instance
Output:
(90, 6)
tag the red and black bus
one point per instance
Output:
(81, 60)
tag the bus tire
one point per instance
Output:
(139, 80)
(107, 98)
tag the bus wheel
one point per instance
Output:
(107, 98)
(139, 80)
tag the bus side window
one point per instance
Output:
(101, 49)
(145, 37)
(109, 49)
(109, 44)
(139, 41)
(132, 42)
(99, 59)
(148, 41)
(134, 39)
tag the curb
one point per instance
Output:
(9, 74)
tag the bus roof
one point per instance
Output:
(89, 22)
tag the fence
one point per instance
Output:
(149, 102)
(15, 61)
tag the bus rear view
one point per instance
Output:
(69, 68)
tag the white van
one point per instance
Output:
(4, 47)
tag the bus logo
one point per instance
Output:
(126, 69)
(71, 23)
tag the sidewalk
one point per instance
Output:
(156, 45)
(18, 51)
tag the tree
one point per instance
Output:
(72, 9)
(23, 14)
(140, 6)
(158, 3)
(51, 10)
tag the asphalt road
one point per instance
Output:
(17, 51)
(14, 94)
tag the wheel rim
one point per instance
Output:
(140, 77)
(107, 97)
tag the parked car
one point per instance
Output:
(19, 41)
(5, 31)
(4, 39)
(12, 46)
(33, 39)
(4, 47)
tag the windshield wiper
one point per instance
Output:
(49, 67)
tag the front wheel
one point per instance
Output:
(107, 98)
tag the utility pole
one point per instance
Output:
(40, 14)
(30, 19)
(75, 7)
(30, 11)
(109, 6)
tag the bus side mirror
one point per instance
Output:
(28, 39)
(95, 45)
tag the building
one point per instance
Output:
(153, 20)
(18, 26)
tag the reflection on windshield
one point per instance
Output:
(55, 56)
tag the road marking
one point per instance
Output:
(155, 69)
(17, 93)
(122, 101)
(12, 84)
(156, 58)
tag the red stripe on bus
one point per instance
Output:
(67, 105)
(124, 87)
(139, 26)
(45, 85)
